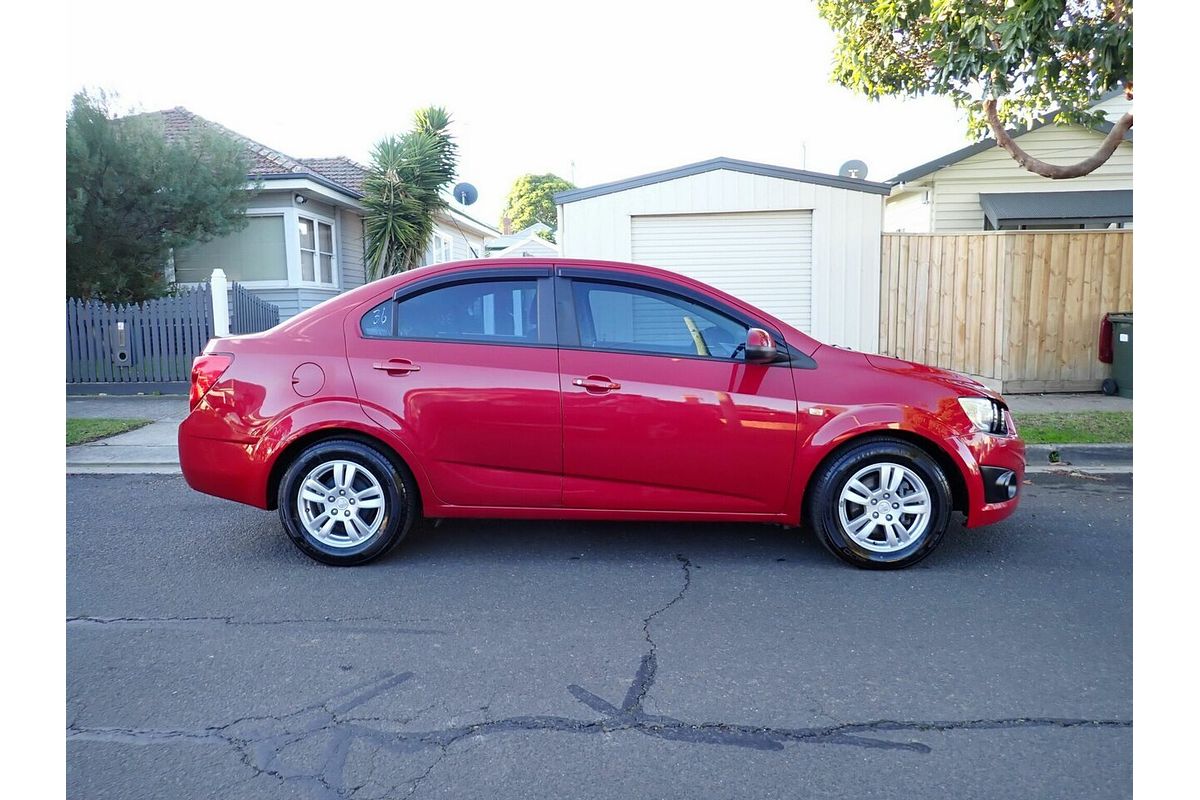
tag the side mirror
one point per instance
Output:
(760, 347)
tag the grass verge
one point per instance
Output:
(1077, 427)
(80, 431)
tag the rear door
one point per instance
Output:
(464, 369)
(660, 411)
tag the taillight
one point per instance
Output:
(206, 370)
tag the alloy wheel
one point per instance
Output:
(884, 507)
(341, 504)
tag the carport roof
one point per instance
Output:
(1031, 207)
(731, 164)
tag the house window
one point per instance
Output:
(316, 250)
(441, 249)
(255, 253)
(1059, 225)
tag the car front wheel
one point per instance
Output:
(881, 504)
(344, 503)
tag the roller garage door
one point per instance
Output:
(762, 257)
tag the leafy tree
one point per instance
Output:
(132, 197)
(1005, 62)
(403, 191)
(531, 200)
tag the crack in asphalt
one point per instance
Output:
(648, 669)
(262, 742)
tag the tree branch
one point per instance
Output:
(1056, 171)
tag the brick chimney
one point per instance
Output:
(505, 226)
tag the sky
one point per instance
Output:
(593, 92)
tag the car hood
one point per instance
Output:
(954, 381)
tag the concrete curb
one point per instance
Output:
(132, 468)
(150, 450)
(1097, 459)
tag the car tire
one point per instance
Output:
(852, 484)
(366, 505)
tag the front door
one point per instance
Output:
(466, 374)
(661, 413)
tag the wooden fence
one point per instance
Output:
(151, 343)
(150, 346)
(1019, 309)
(249, 313)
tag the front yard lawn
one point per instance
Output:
(1077, 427)
(89, 430)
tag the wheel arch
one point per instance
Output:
(959, 496)
(292, 449)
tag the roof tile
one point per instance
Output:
(179, 124)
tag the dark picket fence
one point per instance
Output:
(150, 346)
(249, 313)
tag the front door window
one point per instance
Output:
(615, 317)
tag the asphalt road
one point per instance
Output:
(482, 659)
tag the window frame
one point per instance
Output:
(447, 246)
(268, 283)
(568, 324)
(291, 249)
(543, 284)
(316, 220)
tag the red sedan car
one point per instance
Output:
(586, 390)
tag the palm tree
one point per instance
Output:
(403, 191)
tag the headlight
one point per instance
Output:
(985, 414)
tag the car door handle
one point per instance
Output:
(396, 366)
(597, 383)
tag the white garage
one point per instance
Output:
(802, 245)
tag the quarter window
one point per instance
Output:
(378, 321)
(316, 251)
(614, 317)
(496, 311)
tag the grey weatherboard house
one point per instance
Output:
(304, 240)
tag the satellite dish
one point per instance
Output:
(853, 169)
(466, 194)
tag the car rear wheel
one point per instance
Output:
(344, 503)
(881, 504)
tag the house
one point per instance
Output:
(980, 187)
(804, 246)
(526, 243)
(304, 239)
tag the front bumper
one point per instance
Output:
(999, 454)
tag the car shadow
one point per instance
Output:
(531, 541)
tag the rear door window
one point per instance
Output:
(493, 311)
